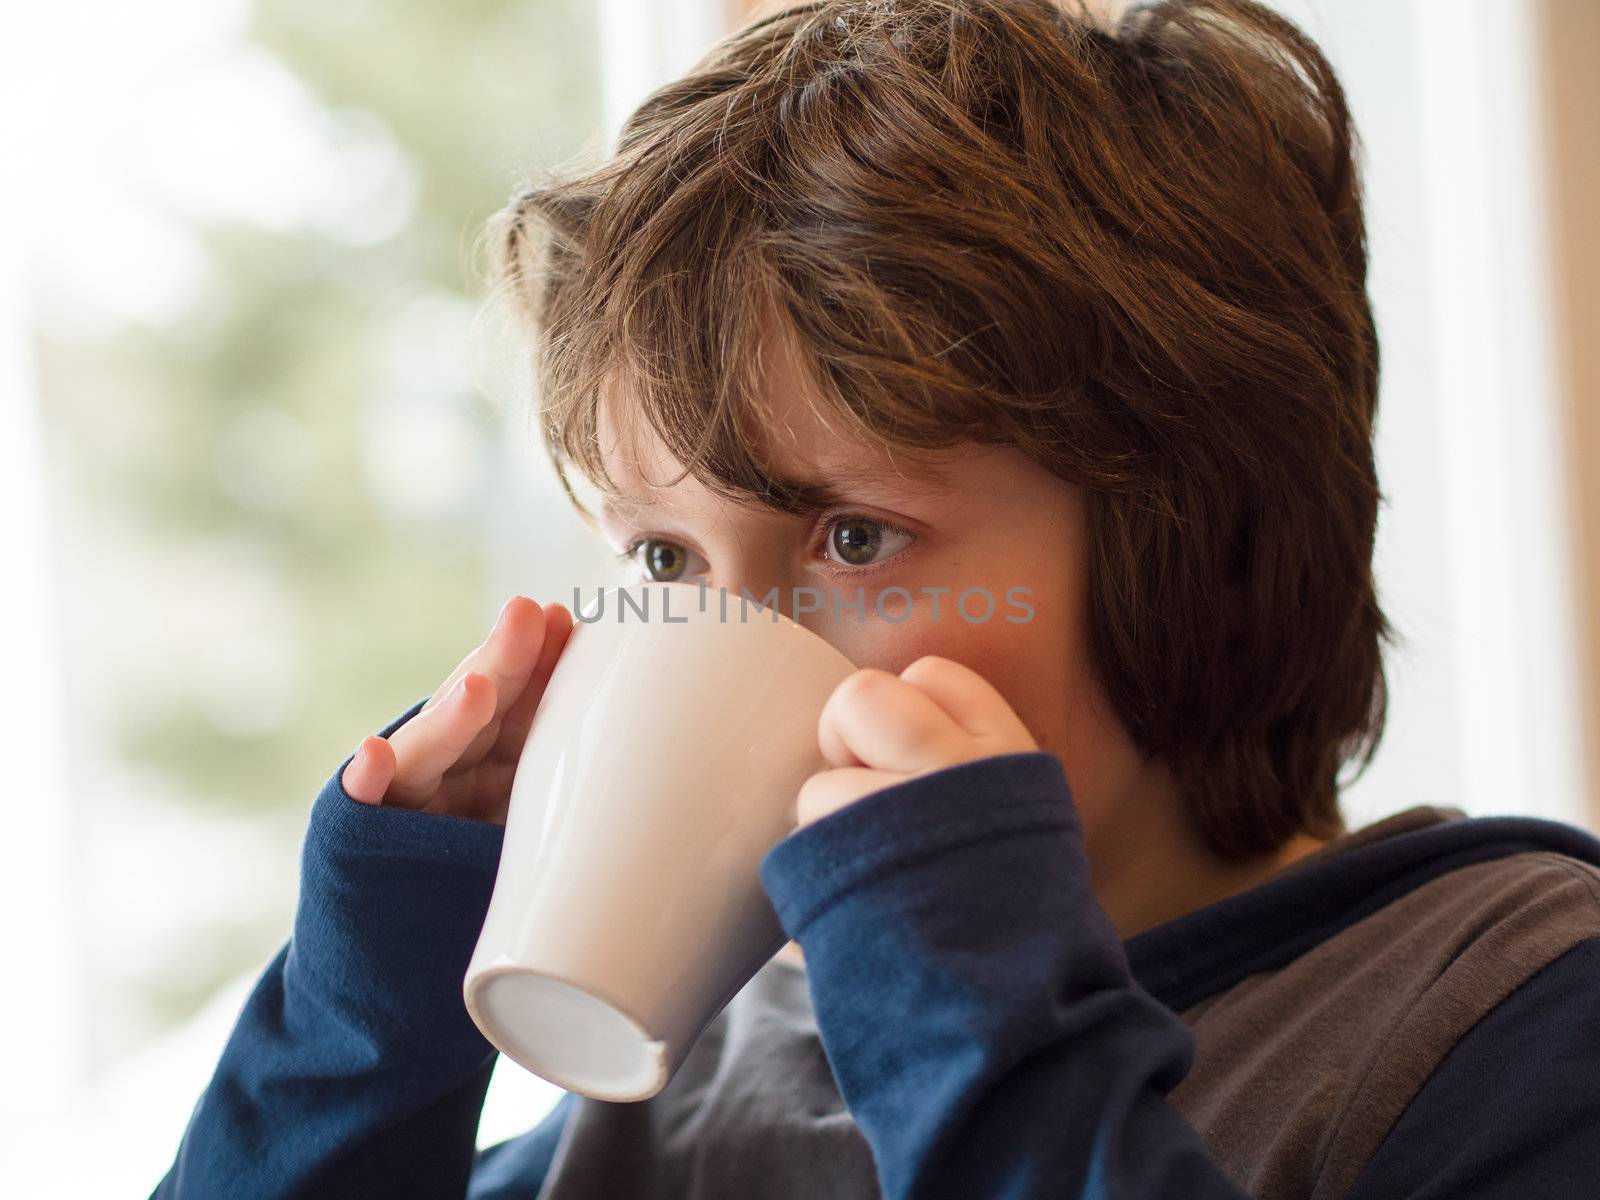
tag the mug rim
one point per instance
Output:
(778, 619)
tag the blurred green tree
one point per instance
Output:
(308, 438)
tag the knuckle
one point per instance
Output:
(929, 666)
(921, 664)
(863, 684)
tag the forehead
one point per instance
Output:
(795, 437)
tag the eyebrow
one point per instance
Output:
(799, 497)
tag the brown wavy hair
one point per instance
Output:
(1132, 247)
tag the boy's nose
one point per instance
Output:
(808, 604)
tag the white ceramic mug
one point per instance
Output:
(662, 764)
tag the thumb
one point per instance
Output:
(371, 770)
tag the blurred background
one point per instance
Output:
(266, 472)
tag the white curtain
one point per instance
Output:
(42, 1002)
(1475, 547)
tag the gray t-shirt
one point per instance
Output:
(753, 1111)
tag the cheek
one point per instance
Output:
(1040, 668)
(1035, 664)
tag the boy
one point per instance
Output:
(917, 297)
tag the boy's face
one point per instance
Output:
(994, 520)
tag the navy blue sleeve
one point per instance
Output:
(974, 1000)
(1513, 1110)
(354, 1069)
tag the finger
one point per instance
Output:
(518, 720)
(506, 655)
(367, 776)
(969, 699)
(442, 734)
(829, 791)
(875, 719)
(509, 656)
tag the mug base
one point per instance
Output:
(567, 1035)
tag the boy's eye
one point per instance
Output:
(862, 541)
(662, 561)
(851, 542)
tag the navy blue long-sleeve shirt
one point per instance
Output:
(987, 1030)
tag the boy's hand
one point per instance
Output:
(878, 729)
(459, 752)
